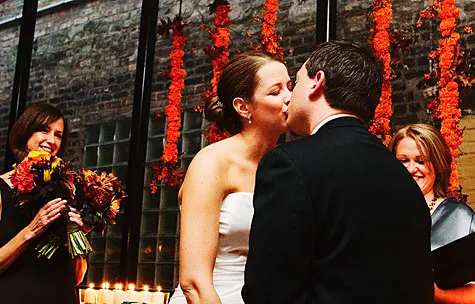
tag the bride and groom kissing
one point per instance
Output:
(332, 217)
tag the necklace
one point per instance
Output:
(432, 203)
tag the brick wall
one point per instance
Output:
(84, 55)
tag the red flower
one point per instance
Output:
(468, 29)
(22, 179)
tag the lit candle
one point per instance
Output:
(158, 296)
(132, 295)
(105, 296)
(90, 295)
(145, 295)
(120, 296)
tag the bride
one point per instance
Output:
(216, 196)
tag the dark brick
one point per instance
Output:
(399, 109)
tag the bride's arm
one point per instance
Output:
(202, 193)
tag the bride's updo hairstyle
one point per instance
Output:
(239, 79)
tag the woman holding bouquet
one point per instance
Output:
(423, 151)
(25, 278)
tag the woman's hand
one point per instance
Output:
(45, 217)
(75, 217)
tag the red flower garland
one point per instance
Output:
(269, 39)
(380, 42)
(219, 54)
(168, 169)
(449, 93)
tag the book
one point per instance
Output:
(454, 263)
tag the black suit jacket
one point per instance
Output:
(337, 219)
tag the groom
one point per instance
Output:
(337, 218)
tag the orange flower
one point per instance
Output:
(382, 15)
(269, 39)
(219, 58)
(448, 110)
(468, 29)
(168, 170)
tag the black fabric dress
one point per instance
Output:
(32, 280)
(451, 221)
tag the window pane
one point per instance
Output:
(121, 152)
(149, 224)
(146, 275)
(92, 134)
(97, 255)
(95, 273)
(151, 201)
(165, 274)
(148, 249)
(107, 132)
(191, 143)
(90, 157)
(169, 197)
(113, 250)
(192, 120)
(157, 126)
(122, 130)
(168, 223)
(166, 250)
(105, 155)
(155, 149)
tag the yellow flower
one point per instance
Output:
(115, 205)
(56, 163)
(38, 155)
(47, 175)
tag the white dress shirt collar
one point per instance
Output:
(329, 118)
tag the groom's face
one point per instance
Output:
(297, 119)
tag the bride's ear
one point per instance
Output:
(241, 107)
(318, 85)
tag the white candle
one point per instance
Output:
(90, 295)
(132, 295)
(105, 296)
(120, 296)
(158, 296)
(145, 295)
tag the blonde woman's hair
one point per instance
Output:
(433, 146)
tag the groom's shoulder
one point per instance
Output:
(298, 147)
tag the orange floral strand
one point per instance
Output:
(448, 109)
(269, 39)
(168, 169)
(380, 41)
(219, 53)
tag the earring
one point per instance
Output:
(248, 117)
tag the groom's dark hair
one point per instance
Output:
(353, 76)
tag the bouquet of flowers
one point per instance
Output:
(98, 198)
(38, 179)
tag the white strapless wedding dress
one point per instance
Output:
(233, 245)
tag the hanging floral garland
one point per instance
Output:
(447, 58)
(168, 170)
(219, 54)
(449, 111)
(380, 42)
(269, 39)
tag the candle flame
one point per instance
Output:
(145, 287)
(118, 286)
(131, 286)
(159, 288)
(91, 285)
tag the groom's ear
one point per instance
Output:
(317, 85)
(241, 106)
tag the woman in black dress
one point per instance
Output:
(423, 151)
(25, 278)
